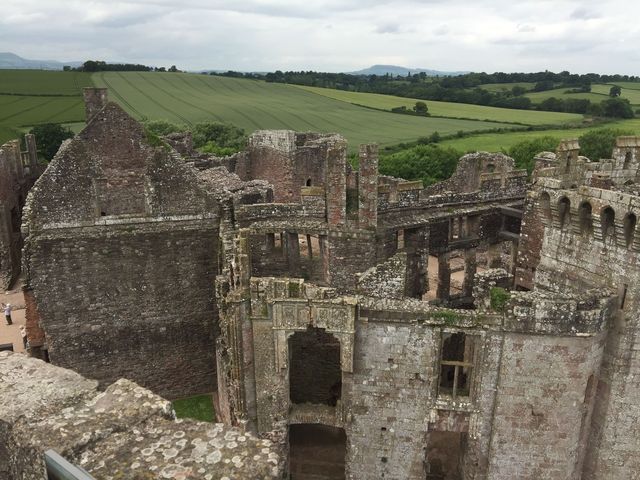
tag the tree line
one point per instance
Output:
(101, 66)
(466, 88)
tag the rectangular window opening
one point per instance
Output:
(456, 365)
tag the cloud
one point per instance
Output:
(330, 35)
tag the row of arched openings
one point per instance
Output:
(586, 221)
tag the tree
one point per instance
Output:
(617, 108)
(518, 91)
(421, 108)
(524, 151)
(49, 137)
(173, 68)
(615, 91)
(215, 135)
(163, 127)
(599, 143)
(429, 163)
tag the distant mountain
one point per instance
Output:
(403, 71)
(11, 60)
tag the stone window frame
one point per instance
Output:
(478, 341)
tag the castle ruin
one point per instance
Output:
(480, 328)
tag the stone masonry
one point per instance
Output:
(484, 327)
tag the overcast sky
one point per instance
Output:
(331, 35)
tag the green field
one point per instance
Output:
(448, 109)
(537, 97)
(250, 104)
(30, 97)
(503, 141)
(599, 92)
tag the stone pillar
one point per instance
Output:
(336, 189)
(309, 249)
(293, 254)
(32, 151)
(470, 267)
(368, 186)
(95, 100)
(514, 258)
(444, 277)
(324, 262)
(493, 256)
(417, 248)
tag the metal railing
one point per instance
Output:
(58, 468)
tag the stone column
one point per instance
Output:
(417, 248)
(444, 277)
(309, 248)
(32, 150)
(368, 186)
(293, 254)
(470, 267)
(336, 189)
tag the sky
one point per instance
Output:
(331, 35)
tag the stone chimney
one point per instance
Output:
(94, 100)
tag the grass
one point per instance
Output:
(537, 97)
(30, 97)
(43, 82)
(190, 98)
(449, 109)
(199, 407)
(503, 141)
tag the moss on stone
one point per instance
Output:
(448, 317)
(294, 290)
(499, 298)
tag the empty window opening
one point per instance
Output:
(564, 212)
(608, 219)
(545, 205)
(630, 221)
(491, 168)
(444, 451)
(586, 219)
(308, 182)
(314, 373)
(317, 451)
(627, 160)
(456, 365)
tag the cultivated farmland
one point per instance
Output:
(250, 104)
(449, 109)
(30, 97)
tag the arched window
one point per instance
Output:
(586, 220)
(630, 221)
(627, 160)
(564, 212)
(308, 182)
(608, 220)
(491, 168)
(545, 205)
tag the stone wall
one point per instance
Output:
(121, 258)
(18, 171)
(125, 431)
(575, 257)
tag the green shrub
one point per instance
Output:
(598, 144)
(499, 298)
(524, 151)
(429, 163)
